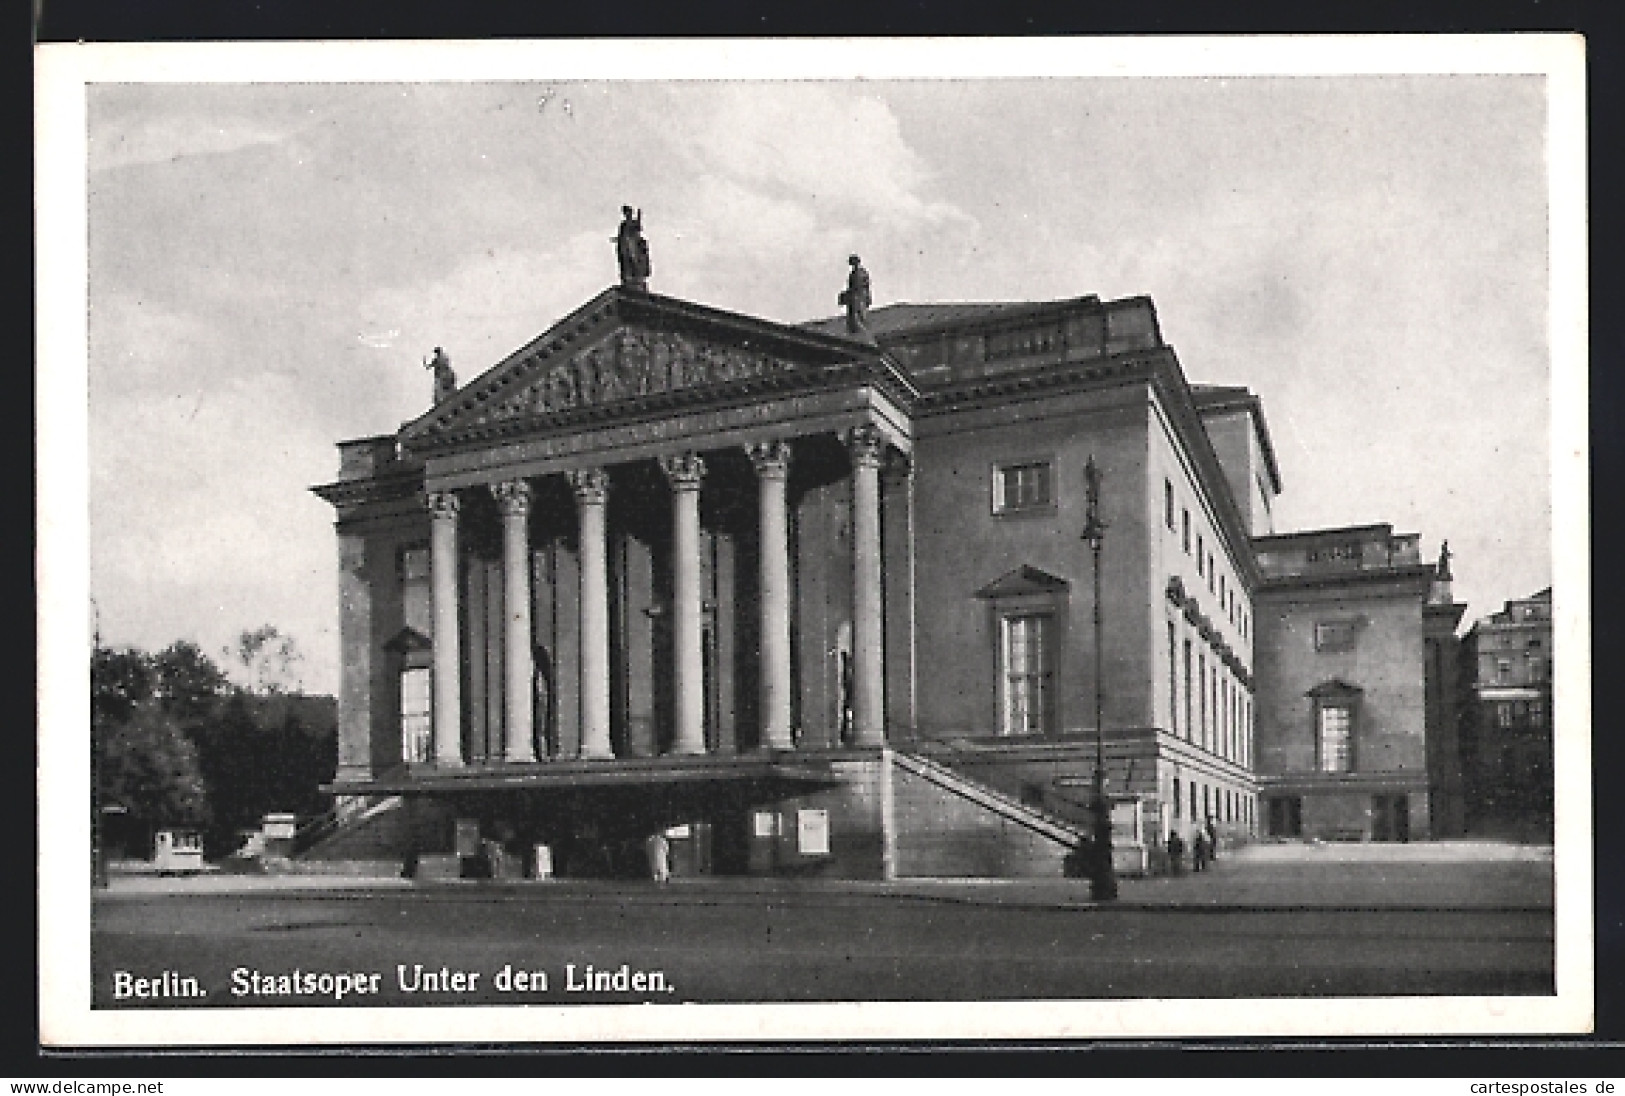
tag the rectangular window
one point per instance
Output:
(1336, 738)
(1218, 712)
(1334, 635)
(414, 569)
(1210, 586)
(417, 737)
(1022, 487)
(1173, 680)
(1177, 803)
(1503, 670)
(1537, 712)
(1201, 681)
(1201, 555)
(1168, 504)
(1185, 530)
(1028, 690)
(1504, 714)
(1189, 725)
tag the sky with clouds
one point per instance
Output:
(270, 264)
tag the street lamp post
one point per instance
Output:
(1102, 873)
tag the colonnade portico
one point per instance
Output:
(684, 473)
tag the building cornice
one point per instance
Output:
(1178, 402)
(1414, 578)
(1240, 399)
(346, 496)
(873, 373)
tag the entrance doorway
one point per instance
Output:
(1390, 818)
(1286, 816)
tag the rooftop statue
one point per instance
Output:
(632, 250)
(1444, 562)
(445, 381)
(855, 297)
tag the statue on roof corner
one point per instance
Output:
(632, 250)
(445, 381)
(855, 297)
(1444, 562)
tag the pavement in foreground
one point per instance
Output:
(1261, 923)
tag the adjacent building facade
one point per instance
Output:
(1507, 721)
(813, 598)
(1355, 735)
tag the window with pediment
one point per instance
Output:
(1336, 708)
(1027, 607)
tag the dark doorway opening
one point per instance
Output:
(1286, 816)
(1390, 818)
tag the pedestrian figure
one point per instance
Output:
(1212, 839)
(1176, 853)
(1199, 851)
(659, 851)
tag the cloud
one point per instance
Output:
(156, 139)
(379, 340)
(835, 149)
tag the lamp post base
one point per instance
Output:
(1103, 873)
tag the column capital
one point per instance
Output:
(897, 466)
(443, 505)
(513, 497)
(866, 444)
(591, 485)
(683, 470)
(771, 459)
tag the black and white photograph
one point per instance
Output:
(603, 541)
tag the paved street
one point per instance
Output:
(1259, 925)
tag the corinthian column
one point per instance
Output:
(772, 461)
(591, 487)
(684, 471)
(447, 680)
(866, 446)
(518, 692)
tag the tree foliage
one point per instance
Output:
(149, 767)
(269, 659)
(177, 743)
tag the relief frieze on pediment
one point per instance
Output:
(629, 364)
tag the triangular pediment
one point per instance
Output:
(1025, 579)
(1336, 688)
(626, 351)
(407, 641)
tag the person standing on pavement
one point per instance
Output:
(1212, 839)
(1199, 850)
(1176, 853)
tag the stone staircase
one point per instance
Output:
(363, 839)
(999, 802)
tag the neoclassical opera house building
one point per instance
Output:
(809, 598)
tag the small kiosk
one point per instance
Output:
(177, 851)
